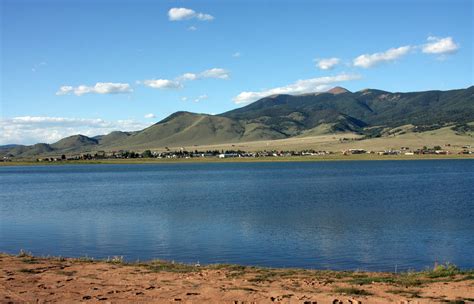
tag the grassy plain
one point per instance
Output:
(343, 141)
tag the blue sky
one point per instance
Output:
(90, 67)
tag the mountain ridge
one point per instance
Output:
(366, 112)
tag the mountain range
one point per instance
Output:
(367, 112)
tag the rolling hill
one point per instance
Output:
(367, 112)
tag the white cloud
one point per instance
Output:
(434, 45)
(178, 82)
(98, 88)
(327, 63)
(215, 73)
(150, 115)
(201, 97)
(369, 60)
(192, 28)
(236, 55)
(187, 76)
(299, 87)
(184, 98)
(64, 90)
(440, 46)
(181, 13)
(204, 17)
(35, 129)
(163, 84)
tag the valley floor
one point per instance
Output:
(316, 158)
(444, 137)
(28, 279)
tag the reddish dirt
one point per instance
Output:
(40, 280)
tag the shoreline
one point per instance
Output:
(26, 278)
(325, 158)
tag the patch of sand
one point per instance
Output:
(40, 280)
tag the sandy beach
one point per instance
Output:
(28, 279)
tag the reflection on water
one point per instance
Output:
(340, 215)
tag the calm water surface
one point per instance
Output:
(372, 215)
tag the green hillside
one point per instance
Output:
(183, 128)
(354, 111)
(367, 112)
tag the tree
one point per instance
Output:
(147, 153)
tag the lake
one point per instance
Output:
(368, 215)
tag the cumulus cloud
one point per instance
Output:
(369, 60)
(162, 84)
(440, 46)
(327, 63)
(34, 129)
(98, 88)
(215, 73)
(192, 28)
(299, 87)
(181, 13)
(188, 76)
(434, 45)
(150, 115)
(236, 55)
(64, 90)
(178, 82)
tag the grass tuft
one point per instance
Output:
(230, 267)
(352, 291)
(115, 260)
(24, 254)
(85, 259)
(443, 270)
(371, 280)
(406, 292)
(163, 266)
(27, 270)
(29, 260)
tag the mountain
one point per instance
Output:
(114, 136)
(74, 143)
(293, 114)
(338, 90)
(183, 128)
(8, 146)
(27, 151)
(367, 112)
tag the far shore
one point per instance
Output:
(25, 278)
(319, 158)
